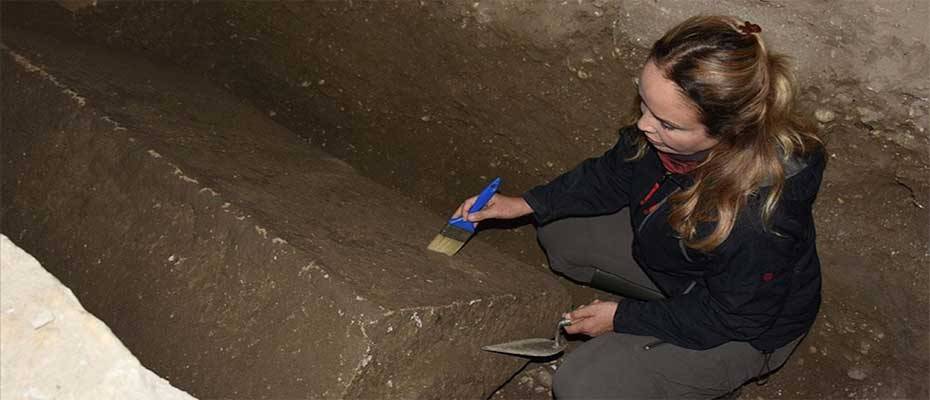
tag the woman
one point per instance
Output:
(700, 217)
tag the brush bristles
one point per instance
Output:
(446, 245)
(450, 239)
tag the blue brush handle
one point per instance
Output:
(482, 200)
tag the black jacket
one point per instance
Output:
(756, 286)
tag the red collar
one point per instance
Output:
(681, 164)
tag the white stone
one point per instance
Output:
(843, 98)
(857, 373)
(53, 349)
(42, 318)
(824, 115)
(867, 115)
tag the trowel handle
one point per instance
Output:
(558, 330)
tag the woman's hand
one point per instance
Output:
(499, 207)
(594, 319)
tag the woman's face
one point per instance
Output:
(669, 119)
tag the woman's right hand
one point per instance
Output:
(499, 207)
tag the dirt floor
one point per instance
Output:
(433, 100)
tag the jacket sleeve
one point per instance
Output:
(596, 186)
(737, 300)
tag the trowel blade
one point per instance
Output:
(535, 347)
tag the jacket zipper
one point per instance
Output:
(655, 188)
(656, 207)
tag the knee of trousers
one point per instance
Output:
(566, 385)
(563, 257)
(608, 366)
(581, 382)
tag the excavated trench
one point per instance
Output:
(431, 102)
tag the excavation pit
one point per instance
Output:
(428, 100)
(232, 257)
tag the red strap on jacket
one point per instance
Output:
(675, 164)
(655, 187)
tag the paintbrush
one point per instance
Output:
(457, 231)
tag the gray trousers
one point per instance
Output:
(614, 365)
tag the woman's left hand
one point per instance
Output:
(594, 319)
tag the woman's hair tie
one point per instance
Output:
(750, 28)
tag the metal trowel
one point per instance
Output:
(533, 347)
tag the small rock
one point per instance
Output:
(483, 16)
(43, 318)
(425, 118)
(583, 75)
(864, 347)
(824, 115)
(35, 394)
(544, 377)
(526, 380)
(540, 389)
(812, 350)
(843, 98)
(922, 122)
(857, 373)
(867, 115)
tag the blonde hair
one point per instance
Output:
(745, 96)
